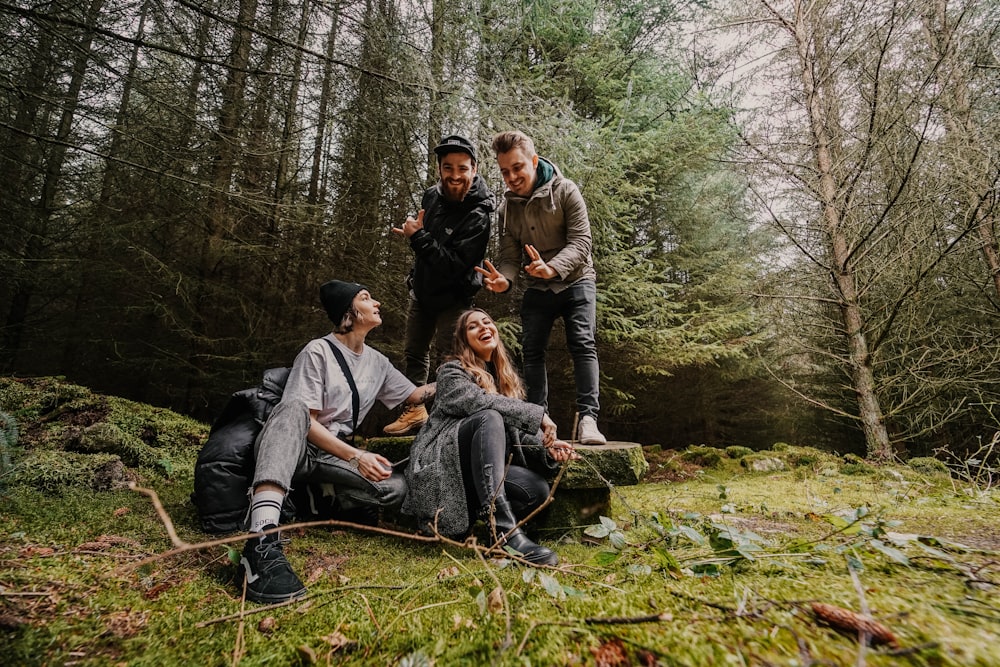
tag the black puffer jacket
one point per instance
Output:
(452, 242)
(225, 467)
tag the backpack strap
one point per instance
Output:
(355, 397)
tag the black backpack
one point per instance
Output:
(225, 466)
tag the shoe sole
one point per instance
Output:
(405, 431)
(264, 598)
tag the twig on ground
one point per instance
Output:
(242, 537)
(162, 513)
(629, 620)
(368, 608)
(242, 612)
(508, 637)
(707, 603)
(863, 634)
(238, 645)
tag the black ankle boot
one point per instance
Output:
(506, 535)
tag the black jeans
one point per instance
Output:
(483, 452)
(424, 326)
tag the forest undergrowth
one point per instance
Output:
(818, 560)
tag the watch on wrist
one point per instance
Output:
(355, 460)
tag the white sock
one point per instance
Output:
(265, 509)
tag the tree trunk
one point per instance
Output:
(220, 214)
(317, 179)
(823, 129)
(980, 181)
(434, 107)
(41, 216)
(286, 148)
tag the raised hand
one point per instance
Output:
(538, 268)
(411, 226)
(493, 280)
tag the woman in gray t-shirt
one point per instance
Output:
(308, 436)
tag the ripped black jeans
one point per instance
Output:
(483, 452)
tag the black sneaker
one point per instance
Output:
(269, 576)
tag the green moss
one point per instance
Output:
(855, 465)
(927, 465)
(51, 470)
(798, 457)
(398, 599)
(68, 418)
(737, 451)
(704, 456)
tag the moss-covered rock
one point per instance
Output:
(737, 452)
(617, 463)
(704, 456)
(70, 435)
(855, 465)
(50, 470)
(798, 457)
(762, 462)
(928, 465)
(393, 448)
(108, 438)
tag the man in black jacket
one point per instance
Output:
(448, 238)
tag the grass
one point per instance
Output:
(719, 568)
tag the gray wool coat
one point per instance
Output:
(434, 474)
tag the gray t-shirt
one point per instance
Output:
(317, 380)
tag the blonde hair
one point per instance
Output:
(509, 381)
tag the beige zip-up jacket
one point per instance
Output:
(554, 220)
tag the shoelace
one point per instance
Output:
(270, 560)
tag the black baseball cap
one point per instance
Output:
(455, 144)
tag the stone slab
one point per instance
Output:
(618, 463)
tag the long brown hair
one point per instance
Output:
(507, 377)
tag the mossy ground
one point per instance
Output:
(728, 560)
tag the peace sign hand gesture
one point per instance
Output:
(538, 268)
(493, 280)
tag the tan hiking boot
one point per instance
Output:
(588, 432)
(413, 417)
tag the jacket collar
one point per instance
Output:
(543, 191)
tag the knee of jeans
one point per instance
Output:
(528, 492)
(581, 337)
(393, 490)
(292, 404)
(490, 419)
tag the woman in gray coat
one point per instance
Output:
(458, 469)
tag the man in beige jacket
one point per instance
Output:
(544, 216)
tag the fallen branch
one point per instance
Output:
(242, 613)
(508, 637)
(162, 513)
(849, 621)
(629, 620)
(239, 646)
(242, 537)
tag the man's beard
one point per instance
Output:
(456, 193)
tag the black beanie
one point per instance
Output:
(336, 297)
